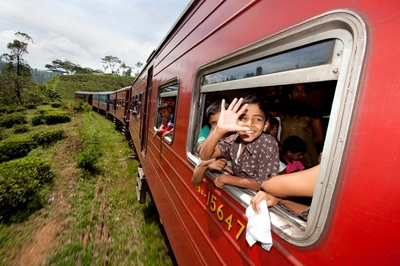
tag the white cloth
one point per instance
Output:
(259, 226)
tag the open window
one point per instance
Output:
(326, 53)
(167, 97)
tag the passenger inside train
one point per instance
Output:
(254, 154)
(292, 151)
(302, 120)
(167, 124)
(274, 127)
(214, 164)
(317, 97)
(171, 101)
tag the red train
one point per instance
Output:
(346, 52)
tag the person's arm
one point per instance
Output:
(168, 132)
(298, 184)
(157, 130)
(226, 123)
(198, 173)
(318, 130)
(244, 182)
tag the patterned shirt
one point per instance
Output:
(259, 160)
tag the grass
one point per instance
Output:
(95, 219)
(67, 85)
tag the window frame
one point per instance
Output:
(173, 81)
(346, 27)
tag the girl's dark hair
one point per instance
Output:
(273, 121)
(293, 144)
(256, 99)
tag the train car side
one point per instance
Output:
(122, 104)
(346, 52)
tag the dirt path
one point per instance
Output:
(51, 220)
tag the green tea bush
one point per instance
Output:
(3, 109)
(51, 116)
(88, 159)
(15, 148)
(15, 109)
(37, 120)
(55, 104)
(56, 117)
(30, 106)
(48, 136)
(21, 185)
(81, 106)
(12, 119)
(46, 110)
(20, 129)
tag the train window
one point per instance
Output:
(167, 97)
(324, 53)
(140, 105)
(315, 54)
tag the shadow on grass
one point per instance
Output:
(151, 215)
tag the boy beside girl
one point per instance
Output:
(254, 154)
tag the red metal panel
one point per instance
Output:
(365, 214)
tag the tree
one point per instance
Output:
(127, 72)
(112, 62)
(138, 66)
(69, 68)
(17, 71)
(62, 67)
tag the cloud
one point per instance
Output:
(58, 48)
(85, 31)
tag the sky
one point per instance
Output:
(84, 31)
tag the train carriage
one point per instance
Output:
(346, 52)
(85, 96)
(122, 104)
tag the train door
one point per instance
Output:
(145, 118)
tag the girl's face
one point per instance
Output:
(166, 112)
(296, 156)
(253, 118)
(274, 131)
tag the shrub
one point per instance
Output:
(11, 119)
(37, 120)
(81, 106)
(51, 116)
(15, 148)
(20, 129)
(30, 106)
(45, 110)
(3, 109)
(15, 109)
(21, 184)
(56, 117)
(88, 159)
(49, 136)
(55, 104)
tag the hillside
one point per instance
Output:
(67, 85)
